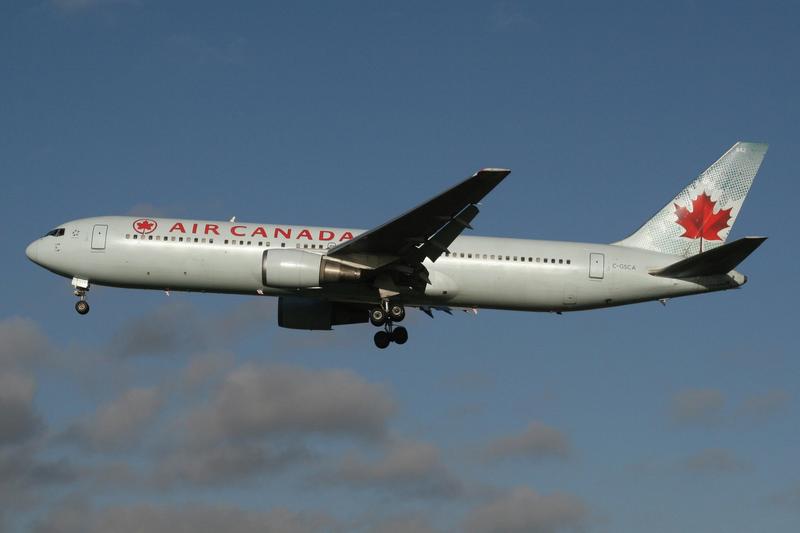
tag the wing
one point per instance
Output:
(425, 231)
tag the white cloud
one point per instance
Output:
(119, 424)
(254, 401)
(410, 468)
(697, 407)
(18, 420)
(77, 516)
(714, 461)
(537, 441)
(525, 511)
(22, 343)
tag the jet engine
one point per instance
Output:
(295, 269)
(297, 312)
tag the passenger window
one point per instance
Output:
(226, 241)
(249, 243)
(127, 235)
(569, 261)
(180, 239)
(469, 256)
(211, 241)
(508, 258)
(283, 245)
(560, 261)
(135, 236)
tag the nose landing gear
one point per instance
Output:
(81, 288)
(386, 315)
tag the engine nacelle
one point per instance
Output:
(297, 312)
(294, 269)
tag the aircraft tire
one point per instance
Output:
(82, 307)
(382, 339)
(377, 316)
(400, 335)
(397, 312)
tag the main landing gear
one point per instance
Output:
(81, 288)
(386, 315)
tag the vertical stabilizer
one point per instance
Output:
(702, 215)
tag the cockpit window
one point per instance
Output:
(58, 232)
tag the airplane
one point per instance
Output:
(325, 277)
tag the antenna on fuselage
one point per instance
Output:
(233, 219)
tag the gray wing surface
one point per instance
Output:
(425, 231)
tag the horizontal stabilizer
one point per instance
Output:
(720, 260)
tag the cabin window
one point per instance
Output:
(135, 236)
(492, 256)
(569, 261)
(469, 256)
(127, 235)
(226, 241)
(484, 256)
(211, 241)
(180, 239)
(260, 243)
(249, 243)
(560, 261)
(283, 245)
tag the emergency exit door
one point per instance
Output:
(597, 266)
(99, 236)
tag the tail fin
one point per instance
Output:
(702, 215)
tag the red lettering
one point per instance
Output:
(305, 233)
(234, 228)
(194, 228)
(178, 226)
(259, 231)
(346, 236)
(212, 228)
(325, 235)
(286, 233)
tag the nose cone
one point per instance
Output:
(32, 251)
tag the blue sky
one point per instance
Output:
(345, 114)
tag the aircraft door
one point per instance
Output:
(99, 236)
(597, 266)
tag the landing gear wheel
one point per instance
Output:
(397, 312)
(377, 316)
(399, 335)
(382, 339)
(82, 307)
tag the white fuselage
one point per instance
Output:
(479, 272)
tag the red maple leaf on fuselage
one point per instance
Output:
(702, 222)
(144, 225)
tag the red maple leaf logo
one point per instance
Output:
(702, 222)
(144, 225)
